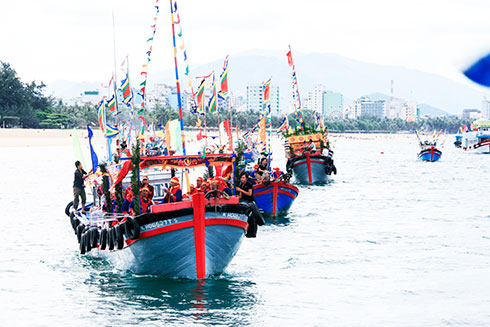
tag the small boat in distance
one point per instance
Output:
(309, 167)
(428, 150)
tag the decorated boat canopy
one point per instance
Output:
(188, 161)
(297, 142)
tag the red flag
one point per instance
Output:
(290, 58)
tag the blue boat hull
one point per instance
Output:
(311, 169)
(276, 198)
(431, 154)
(172, 253)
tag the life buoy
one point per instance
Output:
(103, 239)
(132, 228)
(119, 237)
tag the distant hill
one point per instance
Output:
(340, 74)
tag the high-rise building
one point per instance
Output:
(255, 95)
(471, 114)
(314, 100)
(333, 105)
(485, 108)
(367, 107)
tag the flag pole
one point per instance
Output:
(115, 71)
(179, 100)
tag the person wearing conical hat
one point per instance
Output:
(174, 193)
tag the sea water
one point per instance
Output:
(392, 241)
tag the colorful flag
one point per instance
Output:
(284, 125)
(101, 114)
(290, 58)
(126, 90)
(262, 134)
(267, 90)
(77, 149)
(223, 93)
(110, 131)
(95, 160)
(111, 105)
(226, 135)
(212, 101)
(175, 136)
(200, 98)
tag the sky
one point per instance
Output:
(54, 40)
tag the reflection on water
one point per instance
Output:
(214, 301)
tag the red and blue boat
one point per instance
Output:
(306, 166)
(429, 153)
(275, 198)
(194, 238)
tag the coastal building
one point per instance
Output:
(314, 99)
(255, 95)
(364, 107)
(471, 114)
(332, 105)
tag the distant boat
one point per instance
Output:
(275, 198)
(309, 167)
(477, 139)
(429, 153)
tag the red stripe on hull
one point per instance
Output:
(229, 222)
(199, 234)
(308, 164)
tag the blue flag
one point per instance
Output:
(479, 72)
(95, 160)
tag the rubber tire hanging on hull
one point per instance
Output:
(67, 208)
(103, 239)
(132, 228)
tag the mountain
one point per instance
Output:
(350, 77)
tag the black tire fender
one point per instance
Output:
(132, 228)
(80, 229)
(103, 239)
(119, 237)
(110, 238)
(82, 244)
(94, 237)
(67, 208)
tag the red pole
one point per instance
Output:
(198, 205)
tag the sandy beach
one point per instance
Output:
(15, 137)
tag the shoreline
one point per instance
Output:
(18, 137)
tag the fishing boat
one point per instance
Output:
(429, 153)
(275, 198)
(309, 167)
(428, 149)
(477, 138)
(194, 238)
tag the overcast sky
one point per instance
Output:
(53, 40)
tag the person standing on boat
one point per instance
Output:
(78, 187)
(263, 167)
(174, 193)
(145, 201)
(245, 190)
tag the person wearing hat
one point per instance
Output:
(145, 182)
(311, 147)
(145, 201)
(174, 193)
(199, 182)
(277, 173)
